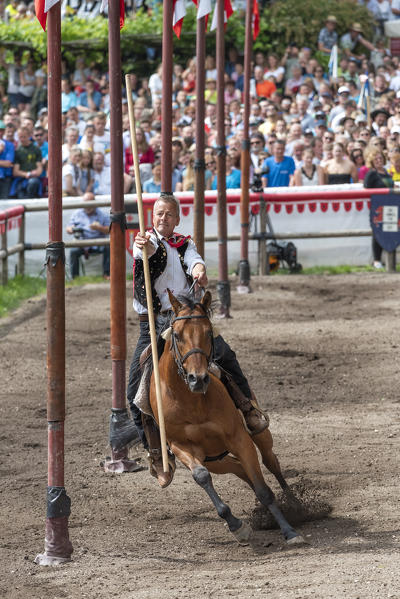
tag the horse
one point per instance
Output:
(203, 427)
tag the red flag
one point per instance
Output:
(42, 7)
(256, 20)
(179, 13)
(203, 9)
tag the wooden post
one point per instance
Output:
(391, 261)
(21, 239)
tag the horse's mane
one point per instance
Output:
(191, 303)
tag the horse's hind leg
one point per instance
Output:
(201, 475)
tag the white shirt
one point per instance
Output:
(173, 276)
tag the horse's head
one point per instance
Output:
(192, 341)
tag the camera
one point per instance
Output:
(77, 232)
(257, 185)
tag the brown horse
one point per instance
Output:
(203, 427)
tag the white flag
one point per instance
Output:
(49, 4)
(179, 13)
(204, 8)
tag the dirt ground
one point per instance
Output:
(322, 353)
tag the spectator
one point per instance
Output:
(27, 85)
(93, 223)
(87, 141)
(80, 75)
(350, 40)
(340, 169)
(233, 176)
(27, 168)
(153, 185)
(40, 141)
(279, 168)
(394, 166)
(294, 82)
(101, 175)
(357, 157)
(71, 141)
(274, 70)
(145, 152)
(68, 97)
(74, 120)
(377, 177)
(308, 173)
(71, 174)
(264, 87)
(87, 174)
(155, 84)
(90, 100)
(13, 70)
(328, 36)
(101, 139)
(7, 154)
(290, 59)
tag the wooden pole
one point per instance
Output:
(223, 286)
(199, 165)
(166, 128)
(244, 267)
(149, 295)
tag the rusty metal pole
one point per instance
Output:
(120, 423)
(199, 165)
(223, 285)
(58, 548)
(166, 130)
(244, 267)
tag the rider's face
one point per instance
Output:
(165, 218)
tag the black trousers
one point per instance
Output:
(76, 253)
(224, 356)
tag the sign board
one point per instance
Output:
(385, 220)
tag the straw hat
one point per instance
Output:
(331, 18)
(356, 27)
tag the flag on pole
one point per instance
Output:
(256, 20)
(228, 11)
(104, 6)
(203, 9)
(179, 13)
(364, 102)
(333, 63)
(42, 7)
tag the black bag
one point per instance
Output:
(281, 253)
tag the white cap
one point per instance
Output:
(342, 89)
(398, 94)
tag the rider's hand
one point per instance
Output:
(142, 241)
(199, 273)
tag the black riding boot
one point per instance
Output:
(256, 422)
(155, 457)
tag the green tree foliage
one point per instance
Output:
(281, 22)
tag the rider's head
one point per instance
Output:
(166, 214)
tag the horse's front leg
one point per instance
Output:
(201, 475)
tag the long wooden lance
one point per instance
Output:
(149, 296)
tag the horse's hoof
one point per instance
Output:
(242, 534)
(297, 540)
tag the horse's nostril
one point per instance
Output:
(192, 378)
(206, 379)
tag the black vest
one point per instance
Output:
(157, 265)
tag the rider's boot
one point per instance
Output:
(155, 456)
(256, 421)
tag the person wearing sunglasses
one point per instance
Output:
(357, 157)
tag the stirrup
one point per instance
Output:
(154, 457)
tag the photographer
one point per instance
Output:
(89, 223)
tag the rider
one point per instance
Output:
(175, 263)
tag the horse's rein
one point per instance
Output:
(179, 359)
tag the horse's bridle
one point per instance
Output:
(179, 359)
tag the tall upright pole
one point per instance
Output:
(58, 547)
(199, 165)
(119, 422)
(166, 128)
(223, 286)
(244, 267)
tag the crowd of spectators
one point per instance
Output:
(306, 127)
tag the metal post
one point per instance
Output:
(244, 266)
(166, 130)
(391, 261)
(223, 286)
(120, 423)
(4, 260)
(262, 252)
(21, 239)
(199, 165)
(58, 548)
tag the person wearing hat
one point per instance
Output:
(340, 109)
(328, 36)
(379, 118)
(350, 40)
(7, 154)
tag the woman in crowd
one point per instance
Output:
(145, 152)
(71, 174)
(274, 70)
(86, 180)
(309, 173)
(233, 176)
(377, 178)
(340, 169)
(357, 157)
(27, 85)
(87, 141)
(394, 167)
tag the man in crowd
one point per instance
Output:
(89, 223)
(7, 154)
(278, 168)
(27, 168)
